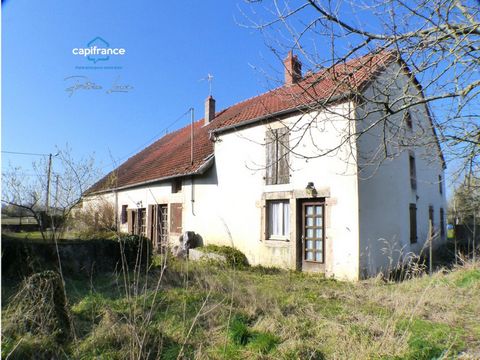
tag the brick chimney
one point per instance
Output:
(209, 109)
(293, 69)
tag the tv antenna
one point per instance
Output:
(209, 78)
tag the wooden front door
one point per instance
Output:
(162, 236)
(159, 225)
(313, 235)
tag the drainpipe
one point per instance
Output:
(192, 196)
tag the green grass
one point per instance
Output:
(203, 311)
(469, 278)
(428, 340)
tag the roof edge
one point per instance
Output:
(279, 113)
(200, 171)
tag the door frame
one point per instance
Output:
(301, 263)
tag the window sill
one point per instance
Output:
(277, 242)
(278, 238)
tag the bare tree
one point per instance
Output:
(436, 41)
(70, 178)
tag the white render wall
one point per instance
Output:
(229, 200)
(240, 160)
(367, 214)
(385, 191)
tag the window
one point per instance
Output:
(137, 222)
(176, 185)
(408, 120)
(413, 172)
(142, 222)
(413, 223)
(277, 156)
(442, 223)
(431, 223)
(176, 210)
(124, 214)
(440, 185)
(278, 219)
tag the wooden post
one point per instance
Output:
(430, 251)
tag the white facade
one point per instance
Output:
(365, 197)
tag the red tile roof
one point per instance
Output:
(170, 156)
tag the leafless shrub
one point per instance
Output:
(40, 307)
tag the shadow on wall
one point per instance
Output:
(398, 264)
(382, 256)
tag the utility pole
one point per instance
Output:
(49, 174)
(56, 190)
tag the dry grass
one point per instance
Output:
(200, 311)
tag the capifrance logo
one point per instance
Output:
(98, 49)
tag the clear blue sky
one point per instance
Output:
(170, 47)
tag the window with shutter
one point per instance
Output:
(130, 221)
(413, 172)
(151, 221)
(124, 214)
(176, 218)
(277, 148)
(431, 221)
(442, 223)
(413, 223)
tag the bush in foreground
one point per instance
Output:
(234, 257)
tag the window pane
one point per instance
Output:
(309, 255)
(286, 218)
(318, 256)
(309, 221)
(318, 244)
(318, 221)
(309, 244)
(278, 218)
(309, 233)
(318, 210)
(318, 233)
(309, 210)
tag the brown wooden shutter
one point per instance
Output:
(130, 221)
(176, 218)
(150, 221)
(413, 223)
(271, 157)
(283, 146)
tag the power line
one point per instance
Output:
(23, 153)
(148, 141)
(22, 174)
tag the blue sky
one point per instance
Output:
(170, 47)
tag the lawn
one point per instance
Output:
(207, 311)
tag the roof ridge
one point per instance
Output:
(170, 155)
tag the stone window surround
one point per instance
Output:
(293, 196)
